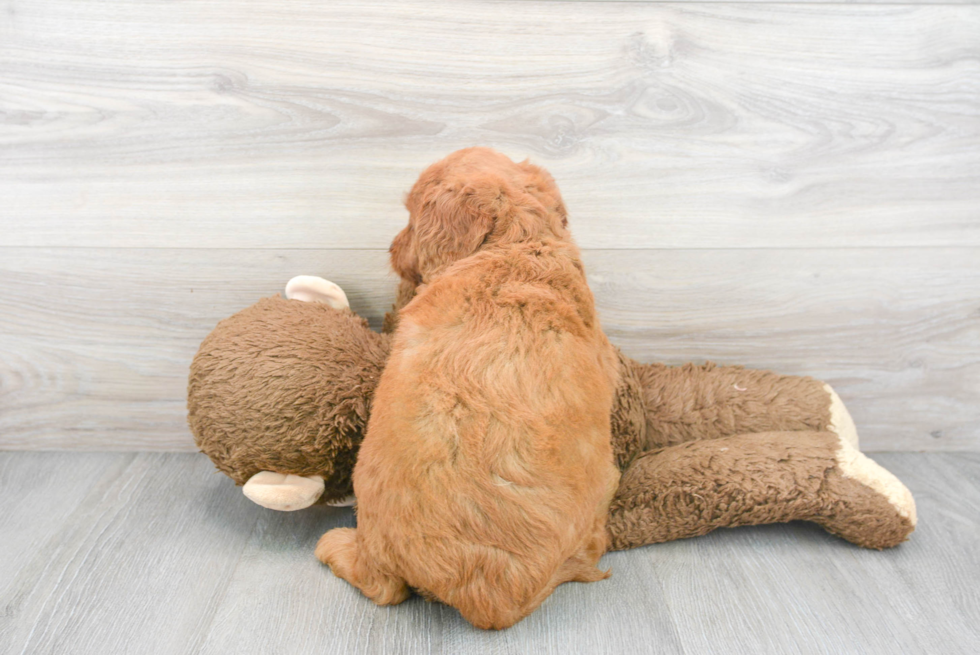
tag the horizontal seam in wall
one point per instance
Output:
(581, 247)
(777, 3)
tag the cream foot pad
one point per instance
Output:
(841, 422)
(855, 465)
(285, 493)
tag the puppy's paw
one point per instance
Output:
(338, 549)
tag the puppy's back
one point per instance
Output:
(487, 472)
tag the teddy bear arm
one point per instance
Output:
(692, 402)
(693, 488)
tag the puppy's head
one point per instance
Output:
(472, 199)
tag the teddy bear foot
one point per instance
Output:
(285, 493)
(310, 288)
(864, 503)
(841, 422)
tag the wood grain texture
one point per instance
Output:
(95, 340)
(833, 597)
(95, 344)
(39, 493)
(299, 125)
(140, 566)
(159, 555)
(895, 331)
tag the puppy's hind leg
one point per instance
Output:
(340, 550)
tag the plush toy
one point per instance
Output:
(280, 393)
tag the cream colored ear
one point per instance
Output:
(841, 422)
(310, 288)
(285, 493)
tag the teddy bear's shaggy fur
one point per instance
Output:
(671, 425)
(286, 391)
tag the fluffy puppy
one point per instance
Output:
(486, 472)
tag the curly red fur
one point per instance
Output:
(486, 473)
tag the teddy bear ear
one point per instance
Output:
(310, 288)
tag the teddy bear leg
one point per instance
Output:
(310, 288)
(750, 479)
(693, 402)
(282, 492)
(339, 549)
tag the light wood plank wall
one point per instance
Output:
(793, 186)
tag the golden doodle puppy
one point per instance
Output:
(486, 472)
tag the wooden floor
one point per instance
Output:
(155, 553)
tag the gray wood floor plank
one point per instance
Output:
(160, 555)
(946, 567)
(774, 589)
(281, 599)
(667, 125)
(95, 344)
(796, 589)
(142, 564)
(40, 492)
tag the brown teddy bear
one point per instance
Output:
(280, 393)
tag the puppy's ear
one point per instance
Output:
(539, 183)
(404, 259)
(455, 218)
